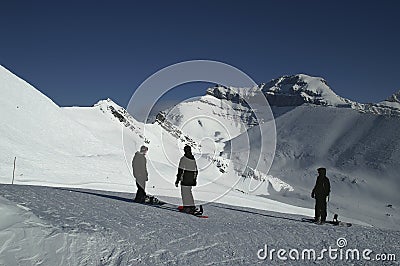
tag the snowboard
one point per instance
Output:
(334, 223)
(152, 200)
(180, 209)
(198, 214)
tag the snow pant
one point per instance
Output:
(320, 209)
(140, 193)
(187, 196)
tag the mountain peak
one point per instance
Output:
(299, 89)
(395, 98)
(393, 102)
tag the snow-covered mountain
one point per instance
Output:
(302, 89)
(299, 89)
(91, 147)
(358, 143)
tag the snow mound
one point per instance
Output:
(27, 240)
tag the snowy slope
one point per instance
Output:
(45, 141)
(26, 239)
(120, 232)
(360, 151)
(165, 141)
(218, 119)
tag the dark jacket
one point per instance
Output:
(322, 187)
(139, 167)
(187, 171)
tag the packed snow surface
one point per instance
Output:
(64, 226)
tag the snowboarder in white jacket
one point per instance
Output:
(139, 165)
(187, 176)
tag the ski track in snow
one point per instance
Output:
(121, 232)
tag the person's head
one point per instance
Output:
(187, 149)
(322, 171)
(143, 149)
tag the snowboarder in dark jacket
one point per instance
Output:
(140, 173)
(187, 176)
(320, 193)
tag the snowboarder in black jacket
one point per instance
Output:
(320, 193)
(187, 176)
(140, 173)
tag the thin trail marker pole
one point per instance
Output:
(15, 159)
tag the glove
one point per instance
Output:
(312, 195)
(176, 184)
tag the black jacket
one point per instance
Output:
(139, 167)
(187, 171)
(322, 187)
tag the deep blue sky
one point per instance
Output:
(78, 52)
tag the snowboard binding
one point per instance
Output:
(192, 210)
(152, 200)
